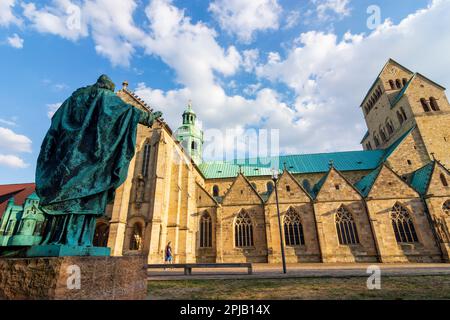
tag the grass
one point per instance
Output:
(352, 288)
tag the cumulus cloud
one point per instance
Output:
(329, 8)
(13, 142)
(7, 16)
(12, 161)
(15, 41)
(244, 18)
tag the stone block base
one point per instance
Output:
(77, 278)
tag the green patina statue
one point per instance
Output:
(84, 157)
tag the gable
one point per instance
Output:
(204, 199)
(336, 188)
(436, 185)
(296, 193)
(241, 192)
(388, 185)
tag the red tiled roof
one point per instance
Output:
(19, 191)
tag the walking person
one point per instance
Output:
(168, 258)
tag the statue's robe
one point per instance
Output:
(86, 153)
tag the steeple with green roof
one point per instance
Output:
(190, 136)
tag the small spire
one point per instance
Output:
(125, 85)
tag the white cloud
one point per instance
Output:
(244, 18)
(7, 16)
(292, 19)
(10, 123)
(15, 41)
(330, 76)
(250, 59)
(13, 142)
(52, 108)
(327, 8)
(12, 161)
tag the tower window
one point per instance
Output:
(405, 81)
(145, 160)
(434, 104)
(444, 180)
(425, 105)
(216, 191)
(398, 84)
(391, 83)
(403, 113)
(193, 145)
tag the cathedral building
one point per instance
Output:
(387, 203)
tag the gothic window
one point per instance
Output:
(243, 230)
(391, 83)
(145, 159)
(434, 104)
(398, 84)
(136, 237)
(205, 231)
(293, 229)
(403, 226)
(444, 180)
(425, 105)
(446, 207)
(376, 140)
(101, 235)
(216, 191)
(346, 227)
(269, 186)
(403, 114)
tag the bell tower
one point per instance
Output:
(190, 136)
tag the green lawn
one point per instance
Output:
(393, 288)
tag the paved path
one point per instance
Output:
(274, 271)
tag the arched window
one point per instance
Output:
(400, 117)
(446, 207)
(434, 104)
(101, 235)
(215, 191)
(398, 84)
(403, 226)
(391, 83)
(193, 145)
(382, 134)
(403, 114)
(269, 186)
(243, 230)
(389, 126)
(136, 237)
(444, 180)
(346, 227)
(205, 230)
(376, 140)
(145, 160)
(425, 105)
(293, 229)
(404, 81)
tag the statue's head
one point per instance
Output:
(106, 83)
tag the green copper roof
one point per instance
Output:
(365, 184)
(421, 178)
(302, 163)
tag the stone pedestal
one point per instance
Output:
(78, 278)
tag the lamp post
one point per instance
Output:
(283, 258)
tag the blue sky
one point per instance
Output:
(298, 66)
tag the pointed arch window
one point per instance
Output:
(403, 225)
(425, 105)
(205, 230)
(346, 227)
(136, 237)
(446, 207)
(443, 180)
(145, 160)
(243, 230)
(434, 105)
(293, 229)
(215, 191)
